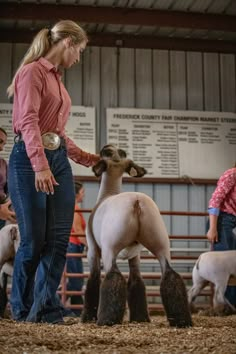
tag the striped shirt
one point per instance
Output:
(224, 196)
(42, 104)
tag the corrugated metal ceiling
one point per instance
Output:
(191, 29)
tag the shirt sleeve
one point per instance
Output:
(78, 155)
(28, 88)
(214, 211)
(225, 184)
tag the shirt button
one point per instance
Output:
(57, 129)
(60, 114)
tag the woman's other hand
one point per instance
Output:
(45, 181)
(212, 235)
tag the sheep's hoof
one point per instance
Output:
(206, 312)
(88, 317)
(224, 310)
(108, 322)
(179, 322)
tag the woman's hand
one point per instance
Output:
(96, 158)
(44, 181)
(6, 213)
(212, 235)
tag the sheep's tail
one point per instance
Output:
(174, 298)
(164, 263)
(197, 263)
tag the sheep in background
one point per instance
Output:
(215, 267)
(119, 226)
(9, 243)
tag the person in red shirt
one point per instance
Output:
(76, 245)
(222, 219)
(40, 176)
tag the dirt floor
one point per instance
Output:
(208, 335)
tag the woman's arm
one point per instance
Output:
(212, 233)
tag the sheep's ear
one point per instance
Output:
(134, 170)
(99, 168)
(122, 154)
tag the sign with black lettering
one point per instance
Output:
(80, 128)
(174, 144)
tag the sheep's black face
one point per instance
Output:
(111, 152)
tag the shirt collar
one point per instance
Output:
(49, 66)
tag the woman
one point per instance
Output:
(5, 203)
(40, 176)
(76, 245)
(222, 219)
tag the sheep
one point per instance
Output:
(215, 267)
(9, 243)
(120, 225)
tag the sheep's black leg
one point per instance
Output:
(137, 301)
(112, 298)
(3, 294)
(174, 299)
(91, 298)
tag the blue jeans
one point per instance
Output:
(2, 223)
(227, 241)
(44, 222)
(75, 265)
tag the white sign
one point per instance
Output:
(173, 144)
(81, 128)
(6, 123)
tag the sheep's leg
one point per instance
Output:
(174, 298)
(3, 293)
(91, 298)
(199, 283)
(113, 293)
(220, 304)
(137, 301)
(194, 292)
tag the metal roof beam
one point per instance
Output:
(117, 15)
(129, 41)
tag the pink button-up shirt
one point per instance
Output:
(42, 104)
(224, 196)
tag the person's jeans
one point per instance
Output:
(227, 241)
(44, 222)
(2, 223)
(75, 265)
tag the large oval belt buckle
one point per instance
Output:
(51, 141)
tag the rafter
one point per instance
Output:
(130, 41)
(117, 15)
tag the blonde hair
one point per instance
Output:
(45, 39)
